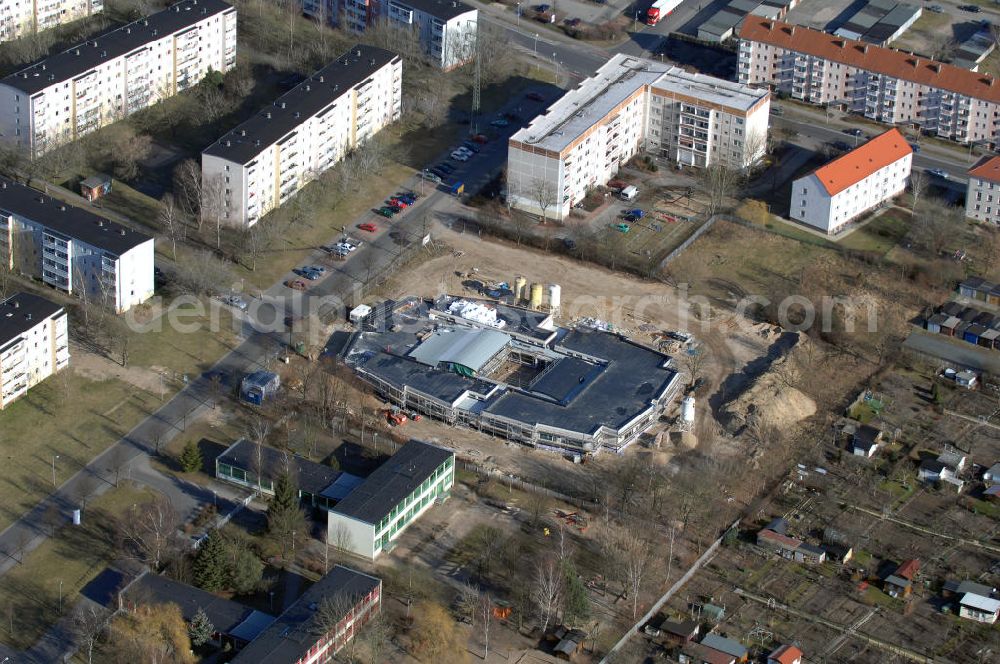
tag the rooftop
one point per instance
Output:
(393, 481)
(292, 635)
(302, 102)
(723, 644)
(442, 9)
(700, 653)
(67, 220)
(786, 654)
(980, 602)
(621, 77)
(861, 55)
(227, 616)
(22, 311)
(854, 166)
(469, 348)
(83, 57)
(987, 168)
(309, 475)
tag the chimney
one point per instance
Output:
(358, 53)
(229, 144)
(308, 88)
(321, 79)
(17, 304)
(27, 316)
(243, 132)
(3, 185)
(934, 67)
(791, 29)
(282, 104)
(769, 24)
(62, 207)
(100, 223)
(268, 115)
(121, 231)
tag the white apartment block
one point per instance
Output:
(73, 250)
(982, 196)
(34, 344)
(835, 194)
(116, 74)
(446, 28)
(882, 84)
(632, 104)
(263, 162)
(24, 17)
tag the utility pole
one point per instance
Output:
(54, 457)
(477, 83)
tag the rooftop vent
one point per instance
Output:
(297, 114)
(358, 53)
(121, 231)
(257, 142)
(283, 104)
(268, 115)
(321, 80)
(27, 316)
(229, 144)
(17, 305)
(62, 207)
(43, 66)
(78, 51)
(100, 223)
(769, 24)
(104, 54)
(243, 132)
(308, 88)
(145, 22)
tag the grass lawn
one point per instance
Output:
(29, 592)
(876, 597)
(991, 510)
(881, 234)
(791, 231)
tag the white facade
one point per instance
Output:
(73, 250)
(116, 74)
(982, 195)
(266, 160)
(630, 104)
(34, 344)
(839, 192)
(979, 608)
(24, 17)
(446, 28)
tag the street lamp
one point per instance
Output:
(519, 15)
(54, 457)
(536, 44)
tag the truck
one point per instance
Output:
(659, 9)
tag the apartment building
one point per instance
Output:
(882, 84)
(24, 17)
(116, 74)
(982, 196)
(73, 250)
(446, 28)
(263, 162)
(34, 344)
(377, 511)
(632, 104)
(840, 191)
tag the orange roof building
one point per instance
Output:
(786, 654)
(837, 193)
(982, 197)
(883, 84)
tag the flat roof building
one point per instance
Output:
(266, 160)
(34, 344)
(376, 512)
(74, 250)
(632, 104)
(19, 18)
(837, 193)
(295, 637)
(116, 74)
(572, 389)
(880, 21)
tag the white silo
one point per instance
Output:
(555, 296)
(687, 410)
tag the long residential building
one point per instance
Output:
(632, 104)
(116, 74)
(263, 162)
(982, 196)
(74, 250)
(446, 28)
(837, 193)
(34, 344)
(882, 84)
(24, 17)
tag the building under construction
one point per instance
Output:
(511, 372)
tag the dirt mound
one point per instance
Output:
(771, 398)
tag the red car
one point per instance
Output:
(371, 228)
(296, 284)
(396, 202)
(481, 138)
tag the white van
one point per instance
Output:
(629, 192)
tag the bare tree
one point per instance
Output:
(151, 529)
(89, 623)
(935, 225)
(187, 189)
(918, 186)
(720, 183)
(547, 591)
(375, 635)
(636, 554)
(258, 429)
(213, 204)
(170, 218)
(485, 621)
(543, 193)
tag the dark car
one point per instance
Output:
(440, 172)
(447, 168)
(481, 139)
(472, 146)
(541, 8)
(840, 145)
(535, 96)
(972, 9)
(385, 211)
(854, 131)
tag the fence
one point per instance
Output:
(701, 230)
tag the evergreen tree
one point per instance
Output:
(201, 628)
(283, 514)
(576, 603)
(191, 459)
(286, 496)
(245, 570)
(210, 564)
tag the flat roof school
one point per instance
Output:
(511, 372)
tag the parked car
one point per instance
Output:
(938, 173)
(915, 147)
(854, 131)
(569, 243)
(446, 167)
(408, 196)
(777, 110)
(936, 9)
(371, 228)
(634, 212)
(459, 156)
(481, 139)
(306, 273)
(315, 268)
(296, 284)
(386, 211)
(972, 9)
(541, 8)
(398, 202)
(535, 96)
(500, 122)
(621, 228)
(464, 150)
(234, 301)
(572, 22)
(472, 147)
(840, 145)
(430, 176)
